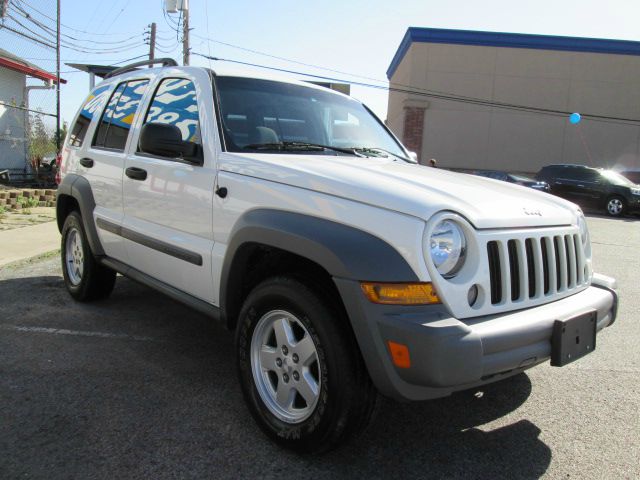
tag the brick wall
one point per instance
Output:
(413, 129)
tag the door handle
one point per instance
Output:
(136, 173)
(86, 162)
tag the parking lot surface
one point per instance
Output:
(138, 386)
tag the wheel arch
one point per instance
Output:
(74, 193)
(317, 248)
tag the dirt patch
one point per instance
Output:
(26, 217)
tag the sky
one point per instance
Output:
(354, 36)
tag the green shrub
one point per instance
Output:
(27, 202)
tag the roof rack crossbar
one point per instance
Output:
(166, 62)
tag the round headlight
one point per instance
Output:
(448, 248)
(584, 231)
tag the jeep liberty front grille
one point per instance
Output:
(535, 267)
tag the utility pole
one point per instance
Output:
(58, 139)
(152, 43)
(185, 32)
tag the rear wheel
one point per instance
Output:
(84, 277)
(616, 206)
(300, 370)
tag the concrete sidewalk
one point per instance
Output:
(27, 242)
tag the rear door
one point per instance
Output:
(562, 181)
(167, 222)
(102, 156)
(585, 186)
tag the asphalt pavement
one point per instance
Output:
(138, 386)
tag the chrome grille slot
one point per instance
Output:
(545, 264)
(514, 269)
(571, 260)
(531, 270)
(579, 258)
(494, 272)
(536, 267)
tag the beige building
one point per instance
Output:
(482, 100)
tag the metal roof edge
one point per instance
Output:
(510, 40)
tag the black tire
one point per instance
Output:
(346, 398)
(94, 281)
(616, 206)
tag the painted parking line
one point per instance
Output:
(80, 333)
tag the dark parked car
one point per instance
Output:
(633, 175)
(593, 187)
(513, 178)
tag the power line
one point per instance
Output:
(288, 60)
(22, 34)
(450, 97)
(104, 17)
(52, 31)
(22, 2)
(41, 37)
(444, 95)
(118, 15)
(82, 49)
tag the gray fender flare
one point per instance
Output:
(343, 251)
(80, 189)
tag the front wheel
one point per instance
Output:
(300, 370)
(616, 206)
(84, 277)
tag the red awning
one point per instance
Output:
(27, 70)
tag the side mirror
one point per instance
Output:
(166, 141)
(413, 156)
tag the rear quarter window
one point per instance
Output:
(92, 106)
(117, 118)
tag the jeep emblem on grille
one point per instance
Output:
(528, 211)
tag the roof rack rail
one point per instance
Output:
(166, 62)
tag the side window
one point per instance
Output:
(175, 103)
(94, 103)
(116, 120)
(583, 174)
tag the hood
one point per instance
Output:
(411, 189)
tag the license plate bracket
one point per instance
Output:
(573, 338)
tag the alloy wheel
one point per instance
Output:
(285, 366)
(74, 256)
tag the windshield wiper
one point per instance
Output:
(381, 152)
(302, 146)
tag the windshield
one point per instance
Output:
(276, 117)
(616, 178)
(521, 178)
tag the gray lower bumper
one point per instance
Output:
(448, 354)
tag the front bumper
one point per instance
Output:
(448, 354)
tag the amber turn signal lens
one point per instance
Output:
(399, 354)
(400, 293)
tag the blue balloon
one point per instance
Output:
(575, 118)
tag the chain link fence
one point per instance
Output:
(28, 105)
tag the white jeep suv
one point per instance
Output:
(292, 215)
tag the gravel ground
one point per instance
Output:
(138, 386)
